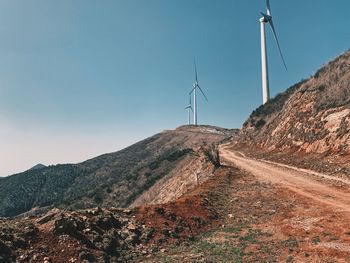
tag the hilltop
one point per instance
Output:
(117, 179)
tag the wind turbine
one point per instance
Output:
(267, 19)
(190, 109)
(194, 91)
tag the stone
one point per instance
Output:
(108, 222)
(131, 227)
(45, 249)
(48, 217)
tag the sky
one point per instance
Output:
(85, 77)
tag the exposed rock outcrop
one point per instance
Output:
(312, 116)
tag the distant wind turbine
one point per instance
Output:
(194, 91)
(190, 110)
(267, 18)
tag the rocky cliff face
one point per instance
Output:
(312, 116)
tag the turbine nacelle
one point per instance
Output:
(265, 18)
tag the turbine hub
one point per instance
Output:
(265, 18)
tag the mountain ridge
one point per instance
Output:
(113, 179)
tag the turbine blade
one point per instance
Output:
(277, 42)
(202, 92)
(268, 7)
(195, 70)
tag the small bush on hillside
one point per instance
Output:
(260, 123)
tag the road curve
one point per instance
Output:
(301, 181)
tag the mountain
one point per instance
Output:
(312, 116)
(115, 179)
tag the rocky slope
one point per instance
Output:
(109, 235)
(115, 179)
(313, 116)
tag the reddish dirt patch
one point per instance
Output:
(186, 217)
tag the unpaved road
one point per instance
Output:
(307, 183)
(270, 212)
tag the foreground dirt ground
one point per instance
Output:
(264, 219)
(250, 211)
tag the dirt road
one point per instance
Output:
(269, 212)
(312, 185)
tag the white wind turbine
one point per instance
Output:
(190, 109)
(194, 90)
(267, 18)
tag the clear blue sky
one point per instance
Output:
(84, 77)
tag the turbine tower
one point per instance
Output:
(194, 90)
(190, 109)
(267, 19)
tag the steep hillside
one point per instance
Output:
(312, 116)
(110, 180)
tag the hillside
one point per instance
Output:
(111, 180)
(313, 116)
